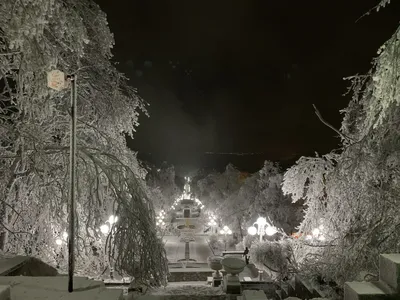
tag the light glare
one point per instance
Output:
(104, 229)
(270, 231)
(252, 230)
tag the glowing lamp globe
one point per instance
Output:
(104, 229)
(261, 221)
(252, 230)
(58, 242)
(270, 231)
(112, 219)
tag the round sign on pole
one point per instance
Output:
(56, 80)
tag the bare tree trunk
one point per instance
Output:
(3, 205)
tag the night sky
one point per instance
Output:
(240, 76)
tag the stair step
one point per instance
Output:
(363, 291)
(291, 287)
(389, 270)
(320, 292)
(285, 289)
(384, 287)
(305, 288)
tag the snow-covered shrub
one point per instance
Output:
(275, 258)
(215, 243)
(248, 241)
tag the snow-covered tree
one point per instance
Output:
(73, 36)
(239, 199)
(216, 187)
(273, 257)
(356, 193)
(269, 200)
(162, 185)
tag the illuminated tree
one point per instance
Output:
(239, 201)
(161, 183)
(356, 193)
(73, 36)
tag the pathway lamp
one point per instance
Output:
(212, 224)
(108, 229)
(263, 227)
(225, 231)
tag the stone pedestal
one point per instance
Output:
(216, 281)
(232, 285)
(214, 262)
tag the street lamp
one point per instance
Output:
(317, 234)
(106, 229)
(56, 81)
(225, 231)
(160, 219)
(263, 227)
(212, 224)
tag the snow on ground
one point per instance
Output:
(188, 289)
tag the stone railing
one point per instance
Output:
(386, 288)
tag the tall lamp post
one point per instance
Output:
(263, 227)
(56, 81)
(225, 231)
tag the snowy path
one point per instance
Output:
(199, 249)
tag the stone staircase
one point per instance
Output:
(298, 287)
(386, 288)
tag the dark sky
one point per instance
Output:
(240, 76)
